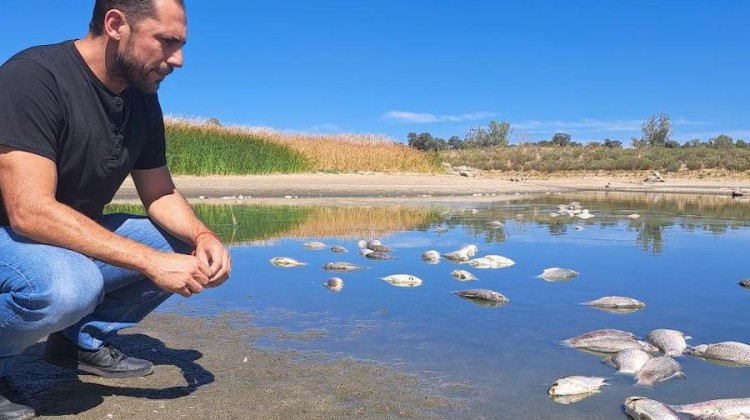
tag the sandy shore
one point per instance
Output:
(352, 188)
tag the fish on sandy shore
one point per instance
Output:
(558, 274)
(575, 384)
(628, 361)
(315, 245)
(431, 256)
(732, 352)
(615, 302)
(286, 262)
(334, 284)
(671, 342)
(342, 266)
(659, 369)
(482, 294)
(463, 275)
(642, 408)
(403, 280)
(728, 408)
(339, 249)
(491, 261)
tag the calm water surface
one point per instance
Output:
(683, 257)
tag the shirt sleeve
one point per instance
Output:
(154, 154)
(30, 112)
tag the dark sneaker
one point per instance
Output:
(108, 361)
(11, 407)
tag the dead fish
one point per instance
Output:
(745, 283)
(659, 369)
(463, 275)
(615, 345)
(431, 256)
(342, 266)
(598, 335)
(615, 302)
(628, 361)
(339, 249)
(491, 261)
(574, 384)
(286, 262)
(365, 251)
(728, 408)
(558, 274)
(495, 224)
(463, 254)
(482, 294)
(440, 230)
(733, 352)
(374, 255)
(379, 248)
(584, 214)
(642, 408)
(671, 342)
(361, 244)
(372, 242)
(572, 398)
(634, 216)
(334, 284)
(403, 280)
(315, 245)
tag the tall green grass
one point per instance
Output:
(195, 150)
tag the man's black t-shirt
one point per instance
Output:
(52, 104)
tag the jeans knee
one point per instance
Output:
(71, 290)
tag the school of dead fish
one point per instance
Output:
(650, 361)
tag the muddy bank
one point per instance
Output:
(210, 368)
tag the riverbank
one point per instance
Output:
(365, 188)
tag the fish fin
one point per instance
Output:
(608, 361)
(566, 343)
(687, 337)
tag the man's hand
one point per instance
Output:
(212, 252)
(182, 274)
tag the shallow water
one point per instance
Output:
(683, 257)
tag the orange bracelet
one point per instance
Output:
(205, 232)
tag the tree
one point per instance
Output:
(740, 143)
(613, 144)
(496, 134)
(561, 139)
(425, 141)
(693, 143)
(721, 141)
(657, 130)
(455, 142)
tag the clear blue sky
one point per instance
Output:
(594, 69)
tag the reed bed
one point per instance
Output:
(596, 158)
(204, 148)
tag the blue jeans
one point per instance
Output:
(45, 289)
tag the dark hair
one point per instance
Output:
(134, 10)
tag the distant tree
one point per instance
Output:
(637, 143)
(693, 143)
(561, 139)
(496, 134)
(672, 144)
(213, 121)
(543, 143)
(740, 143)
(425, 141)
(613, 144)
(594, 144)
(721, 141)
(657, 130)
(455, 142)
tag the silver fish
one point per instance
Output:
(403, 280)
(659, 369)
(441, 230)
(286, 262)
(574, 384)
(361, 244)
(634, 216)
(558, 274)
(334, 284)
(615, 302)
(598, 335)
(463, 254)
(729, 408)
(374, 255)
(315, 245)
(341, 266)
(745, 283)
(365, 251)
(372, 242)
(491, 261)
(614, 345)
(671, 342)
(339, 249)
(431, 256)
(731, 352)
(642, 408)
(495, 224)
(482, 294)
(572, 398)
(463, 275)
(628, 361)
(378, 248)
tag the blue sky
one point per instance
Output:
(594, 69)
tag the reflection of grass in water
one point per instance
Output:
(245, 223)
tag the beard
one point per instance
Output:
(136, 74)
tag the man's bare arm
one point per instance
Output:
(169, 209)
(28, 183)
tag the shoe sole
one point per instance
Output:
(93, 370)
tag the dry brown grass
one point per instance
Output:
(332, 152)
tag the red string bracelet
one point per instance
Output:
(205, 232)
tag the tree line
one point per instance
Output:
(656, 132)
